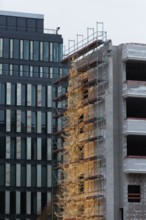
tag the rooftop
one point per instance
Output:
(21, 14)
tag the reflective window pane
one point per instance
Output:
(23, 121)
(25, 70)
(2, 93)
(26, 50)
(46, 51)
(16, 49)
(13, 148)
(36, 50)
(13, 94)
(44, 94)
(6, 49)
(1, 47)
(12, 175)
(23, 95)
(2, 148)
(33, 122)
(33, 95)
(44, 122)
(23, 148)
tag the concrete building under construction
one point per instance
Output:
(99, 133)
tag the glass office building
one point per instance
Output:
(29, 60)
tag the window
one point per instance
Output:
(44, 94)
(23, 175)
(2, 174)
(12, 202)
(43, 200)
(33, 176)
(16, 70)
(13, 120)
(36, 50)
(33, 203)
(21, 49)
(23, 121)
(2, 93)
(51, 52)
(33, 122)
(23, 148)
(55, 52)
(5, 69)
(13, 148)
(46, 51)
(36, 71)
(23, 95)
(23, 203)
(44, 122)
(13, 94)
(12, 175)
(41, 51)
(6, 48)
(25, 70)
(2, 202)
(26, 49)
(2, 121)
(33, 95)
(11, 48)
(133, 193)
(31, 50)
(44, 149)
(33, 149)
(2, 148)
(46, 72)
(1, 47)
(44, 176)
(16, 49)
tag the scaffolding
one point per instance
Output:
(80, 158)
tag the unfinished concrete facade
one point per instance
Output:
(100, 153)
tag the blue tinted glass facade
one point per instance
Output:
(29, 60)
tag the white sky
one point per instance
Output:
(124, 20)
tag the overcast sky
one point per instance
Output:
(124, 20)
